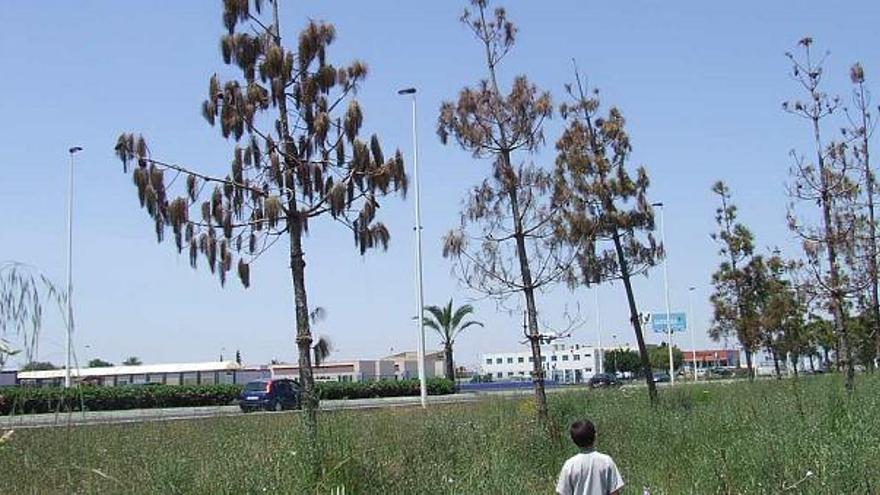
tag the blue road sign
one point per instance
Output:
(677, 322)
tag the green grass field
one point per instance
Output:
(722, 438)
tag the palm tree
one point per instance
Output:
(321, 348)
(448, 325)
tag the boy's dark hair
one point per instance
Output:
(583, 433)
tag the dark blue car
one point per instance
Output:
(602, 380)
(270, 395)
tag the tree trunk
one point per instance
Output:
(836, 301)
(297, 272)
(872, 227)
(531, 308)
(795, 357)
(537, 370)
(837, 363)
(522, 254)
(634, 317)
(635, 320)
(742, 336)
(872, 264)
(827, 358)
(812, 366)
(450, 366)
(776, 364)
(752, 371)
(303, 332)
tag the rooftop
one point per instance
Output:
(130, 370)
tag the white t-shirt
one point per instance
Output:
(589, 473)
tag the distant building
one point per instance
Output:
(564, 363)
(710, 358)
(764, 364)
(209, 373)
(7, 377)
(359, 370)
(406, 364)
(762, 361)
(400, 366)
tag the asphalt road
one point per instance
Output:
(188, 413)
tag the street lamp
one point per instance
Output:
(423, 384)
(72, 151)
(666, 291)
(616, 352)
(690, 321)
(600, 354)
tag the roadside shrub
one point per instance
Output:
(29, 400)
(382, 388)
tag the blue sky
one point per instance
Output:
(700, 83)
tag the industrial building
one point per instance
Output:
(359, 370)
(398, 366)
(406, 364)
(209, 373)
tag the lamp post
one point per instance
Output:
(72, 151)
(423, 384)
(666, 291)
(600, 354)
(690, 320)
(616, 352)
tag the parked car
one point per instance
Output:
(661, 377)
(720, 372)
(601, 380)
(270, 395)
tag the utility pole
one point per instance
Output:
(616, 352)
(600, 354)
(72, 151)
(690, 322)
(423, 383)
(666, 291)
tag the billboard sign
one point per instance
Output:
(677, 322)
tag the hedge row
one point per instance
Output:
(28, 400)
(382, 388)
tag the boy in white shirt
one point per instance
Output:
(589, 472)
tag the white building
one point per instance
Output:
(564, 363)
(406, 364)
(400, 366)
(359, 370)
(209, 373)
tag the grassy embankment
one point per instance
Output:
(731, 438)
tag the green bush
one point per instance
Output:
(382, 388)
(28, 400)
